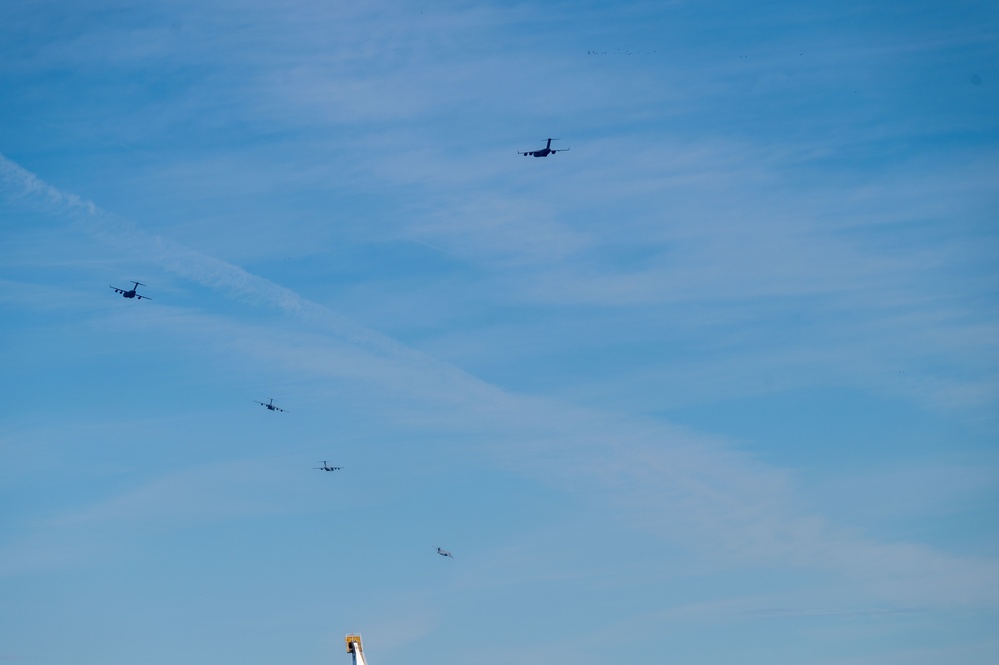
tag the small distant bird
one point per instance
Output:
(444, 553)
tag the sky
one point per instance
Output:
(719, 384)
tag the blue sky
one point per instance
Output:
(718, 384)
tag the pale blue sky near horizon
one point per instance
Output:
(719, 384)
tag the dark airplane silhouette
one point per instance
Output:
(544, 152)
(130, 293)
(270, 405)
(445, 553)
(327, 467)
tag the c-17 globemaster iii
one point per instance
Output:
(544, 152)
(130, 293)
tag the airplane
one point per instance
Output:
(130, 293)
(327, 467)
(444, 553)
(270, 405)
(544, 152)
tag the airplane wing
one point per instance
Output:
(142, 297)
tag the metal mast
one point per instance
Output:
(355, 649)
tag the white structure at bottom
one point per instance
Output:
(355, 649)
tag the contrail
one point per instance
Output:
(680, 486)
(20, 186)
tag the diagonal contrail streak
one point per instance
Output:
(683, 486)
(18, 185)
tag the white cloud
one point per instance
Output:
(680, 486)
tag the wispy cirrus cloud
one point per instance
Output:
(680, 486)
(776, 207)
